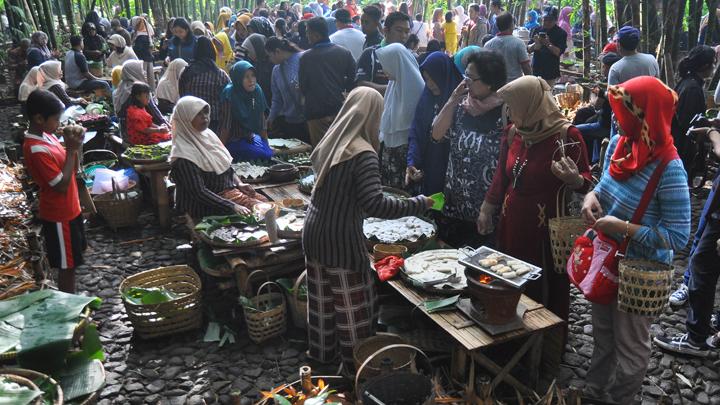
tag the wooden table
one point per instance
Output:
(473, 340)
(279, 192)
(157, 174)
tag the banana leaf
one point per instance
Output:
(12, 394)
(148, 296)
(441, 304)
(45, 326)
(82, 380)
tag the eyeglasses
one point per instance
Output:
(470, 79)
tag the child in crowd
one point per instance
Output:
(53, 168)
(451, 34)
(140, 127)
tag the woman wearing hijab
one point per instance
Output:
(341, 291)
(564, 23)
(241, 29)
(255, 53)
(38, 51)
(168, 91)
(433, 46)
(94, 44)
(461, 58)
(262, 26)
(460, 17)
(532, 169)
(132, 71)
(200, 166)
(246, 134)
(120, 52)
(226, 56)
(50, 79)
(183, 42)
(94, 18)
(401, 99)
(142, 37)
(693, 70)
(427, 160)
(532, 21)
(202, 78)
(644, 108)
(29, 84)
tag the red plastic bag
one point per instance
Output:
(388, 267)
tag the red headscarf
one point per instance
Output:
(610, 47)
(644, 108)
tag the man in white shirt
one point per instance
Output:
(422, 31)
(517, 61)
(346, 35)
(633, 63)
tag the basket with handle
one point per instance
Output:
(176, 315)
(299, 306)
(564, 229)
(267, 317)
(421, 389)
(644, 286)
(119, 208)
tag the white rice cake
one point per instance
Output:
(397, 230)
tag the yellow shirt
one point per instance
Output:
(451, 37)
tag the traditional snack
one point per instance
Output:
(488, 262)
(510, 274)
(436, 266)
(496, 268)
(406, 229)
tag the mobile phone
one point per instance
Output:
(542, 35)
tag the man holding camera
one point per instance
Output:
(547, 44)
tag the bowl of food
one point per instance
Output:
(383, 250)
(282, 172)
(294, 203)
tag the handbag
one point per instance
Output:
(593, 265)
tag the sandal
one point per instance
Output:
(713, 341)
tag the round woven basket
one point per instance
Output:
(299, 306)
(563, 232)
(644, 287)
(174, 316)
(119, 209)
(24, 382)
(37, 376)
(401, 358)
(263, 325)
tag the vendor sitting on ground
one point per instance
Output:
(50, 79)
(121, 52)
(205, 183)
(246, 137)
(140, 127)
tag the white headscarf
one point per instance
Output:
(402, 94)
(29, 84)
(50, 74)
(202, 148)
(167, 88)
(117, 40)
(132, 71)
(461, 18)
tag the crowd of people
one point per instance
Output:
(462, 104)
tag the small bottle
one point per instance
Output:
(306, 383)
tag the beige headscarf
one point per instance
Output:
(50, 74)
(355, 130)
(117, 40)
(167, 88)
(533, 110)
(132, 71)
(29, 84)
(202, 148)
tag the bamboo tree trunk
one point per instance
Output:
(712, 23)
(29, 15)
(128, 11)
(70, 13)
(602, 5)
(145, 7)
(619, 5)
(157, 14)
(49, 22)
(587, 42)
(694, 17)
(678, 27)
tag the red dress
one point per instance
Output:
(529, 204)
(139, 119)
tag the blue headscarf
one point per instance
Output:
(462, 55)
(247, 107)
(532, 20)
(432, 158)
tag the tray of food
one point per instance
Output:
(140, 154)
(254, 171)
(231, 231)
(499, 265)
(436, 271)
(284, 144)
(306, 183)
(412, 232)
(290, 223)
(298, 159)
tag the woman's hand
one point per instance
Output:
(610, 224)
(459, 93)
(567, 171)
(429, 202)
(412, 175)
(246, 189)
(591, 208)
(484, 221)
(239, 209)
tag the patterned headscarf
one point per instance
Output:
(644, 108)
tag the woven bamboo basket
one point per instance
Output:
(644, 287)
(263, 325)
(24, 382)
(174, 316)
(119, 208)
(401, 359)
(299, 306)
(564, 229)
(33, 375)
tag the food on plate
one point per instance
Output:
(439, 267)
(405, 229)
(291, 222)
(522, 271)
(250, 170)
(279, 143)
(488, 262)
(147, 152)
(510, 274)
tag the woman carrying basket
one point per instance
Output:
(644, 109)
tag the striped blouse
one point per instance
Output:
(196, 191)
(207, 86)
(666, 223)
(333, 234)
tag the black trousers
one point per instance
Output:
(705, 265)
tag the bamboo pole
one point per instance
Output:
(712, 22)
(50, 22)
(70, 13)
(587, 43)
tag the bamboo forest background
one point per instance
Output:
(669, 27)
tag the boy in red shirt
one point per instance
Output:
(53, 168)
